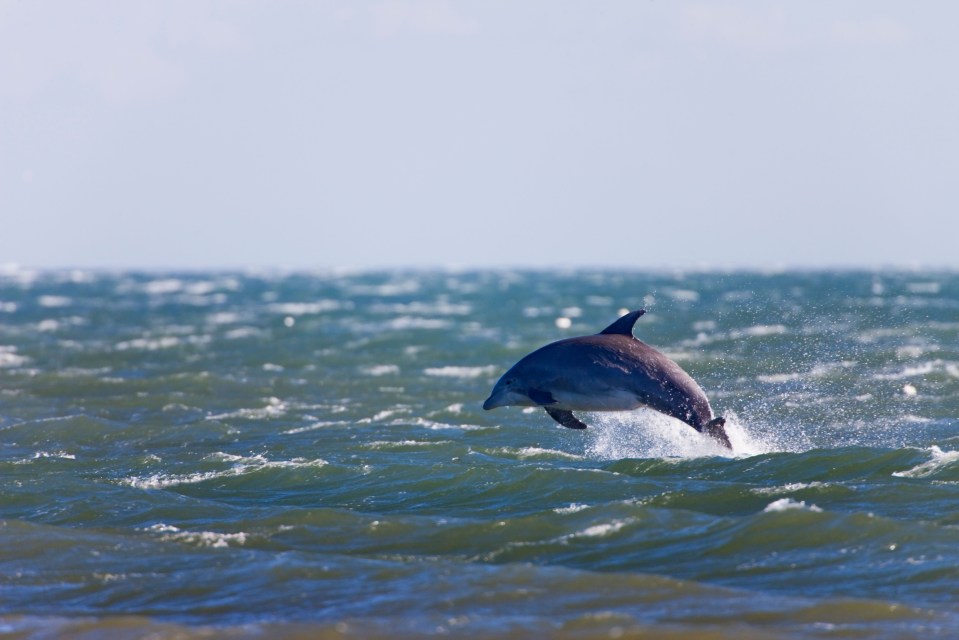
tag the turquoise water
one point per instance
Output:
(305, 455)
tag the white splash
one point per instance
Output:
(649, 434)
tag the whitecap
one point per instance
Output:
(533, 452)
(574, 507)
(438, 307)
(52, 302)
(163, 286)
(460, 372)
(216, 540)
(306, 308)
(758, 331)
(601, 530)
(778, 378)
(10, 358)
(61, 455)
(274, 409)
(149, 344)
(313, 427)
(395, 444)
(683, 295)
(788, 488)
(940, 459)
(223, 317)
(788, 504)
(921, 369)
(243, 332)
(241, 465)
(929, 288)
(402, 287)
(380, 370)
(409, 322)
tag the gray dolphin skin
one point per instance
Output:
(609, 371)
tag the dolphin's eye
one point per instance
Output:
(509, 382)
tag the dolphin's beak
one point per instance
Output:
(491, 402)
(498, 397)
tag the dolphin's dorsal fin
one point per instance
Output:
(624, 326)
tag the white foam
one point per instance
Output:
(243, 332)
(779, 378)
(61, 455)
(940, 460)
(411, 322)
(313, 427)
(305, 308)
(223, 317)
(787, 488)
(758, 331)
(601, 530)
(439, 307)
(683, 295)
(930, 288)
(921, 369)
(10, 358)
(394, 444)
(461, 372)
(241, 465)
(212, 539)
(532, 452)
(788, 504)
(163, 286)
(381, 370)
(149, 344)
(53, 302)
(574, 507)
(274, 409)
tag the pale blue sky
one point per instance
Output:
(639, 134)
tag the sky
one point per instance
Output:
(639, 134)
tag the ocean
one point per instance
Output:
(267, 454)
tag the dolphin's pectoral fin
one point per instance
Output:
(541, 397)
(565, 418)
(715, 429)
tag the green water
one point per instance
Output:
(305, 455)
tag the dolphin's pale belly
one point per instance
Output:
(611, 400)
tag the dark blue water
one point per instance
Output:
(305, 455)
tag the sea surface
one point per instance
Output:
(305, 455)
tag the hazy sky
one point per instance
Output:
(640, 134)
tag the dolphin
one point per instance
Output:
(609, 371)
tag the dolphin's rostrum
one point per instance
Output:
(609, 371)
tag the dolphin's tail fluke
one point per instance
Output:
(715, 428)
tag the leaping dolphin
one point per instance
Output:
(609, 371)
